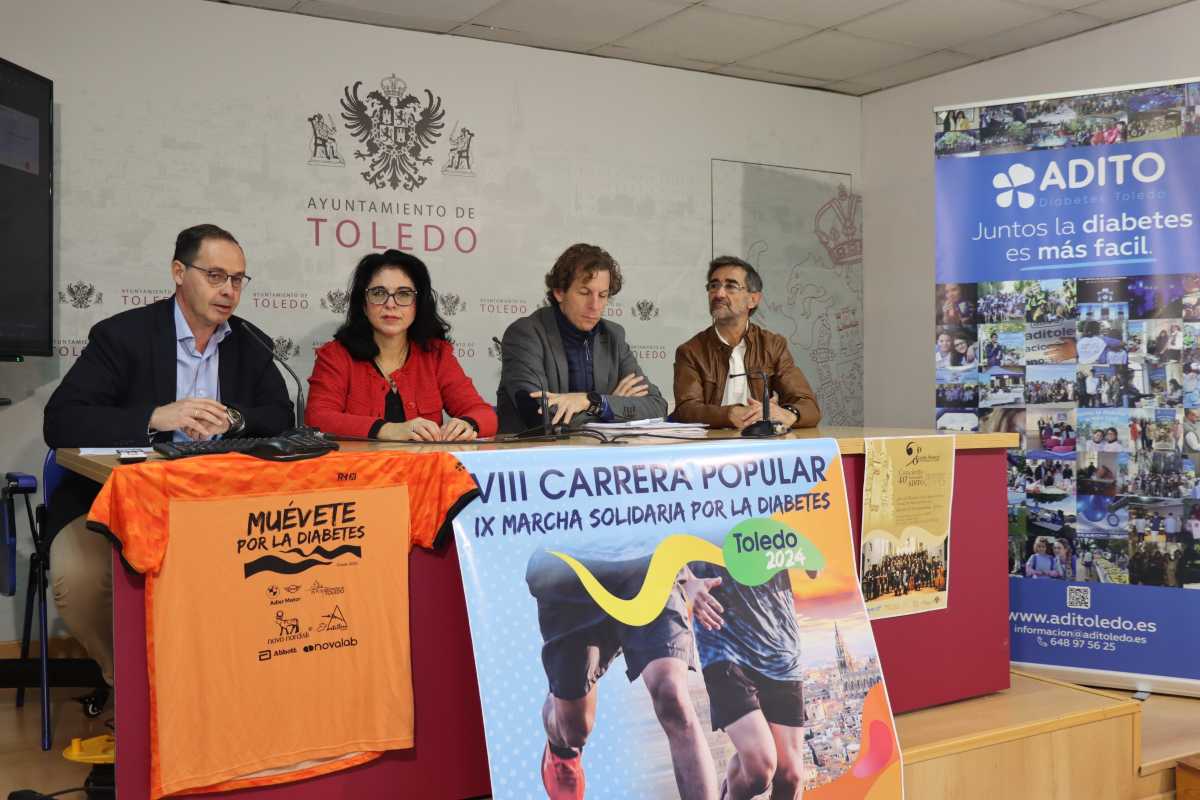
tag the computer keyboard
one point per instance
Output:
(288, 446)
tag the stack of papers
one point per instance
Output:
(644, 427)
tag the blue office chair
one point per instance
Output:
(38, 587)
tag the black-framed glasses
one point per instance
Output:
(377, 296)
(732, 287)
(217, 277)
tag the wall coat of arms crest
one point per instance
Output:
(285, 348)
(451, 304)
(80, 294)
(336, 300)
(645, 310)
(395, 129)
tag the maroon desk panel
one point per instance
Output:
(962, 650)
(928, 659)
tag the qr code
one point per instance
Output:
(1079, 597)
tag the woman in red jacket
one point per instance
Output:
(390, 371)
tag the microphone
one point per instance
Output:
(263, 340)
(764, 427)
(548, 431)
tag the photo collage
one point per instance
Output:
(1159, 112)
(1100, 377)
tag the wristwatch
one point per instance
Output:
(794, 411)
(597, 403)
(237, 423)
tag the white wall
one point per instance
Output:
(898, 182)
(173, 112)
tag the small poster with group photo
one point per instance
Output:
(906, 524)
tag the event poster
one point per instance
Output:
(1067, 307)
(906, 524)
(713, 582)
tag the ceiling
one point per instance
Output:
(849, 46)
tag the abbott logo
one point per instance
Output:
(1007, 182)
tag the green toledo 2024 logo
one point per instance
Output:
(758, 549)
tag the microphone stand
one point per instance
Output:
(262, 338)
(764, 427)
(548, 432)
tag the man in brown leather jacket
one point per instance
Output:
(704, 392)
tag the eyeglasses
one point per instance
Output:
(217, 277)
(732, 287)
(377, 296)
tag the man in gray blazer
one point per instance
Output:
(588, 373)
(569, 351)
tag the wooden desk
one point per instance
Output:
(1040, 739)
(927, 659)
(850, 440)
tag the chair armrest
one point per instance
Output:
(19, 483)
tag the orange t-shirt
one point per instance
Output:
(277, 595)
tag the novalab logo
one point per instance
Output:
(348, 642)
(1077, 173)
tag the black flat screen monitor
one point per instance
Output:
(26, 215)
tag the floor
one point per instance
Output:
(1170, 730)
(23, 764)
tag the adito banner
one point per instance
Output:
(1068, 310)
